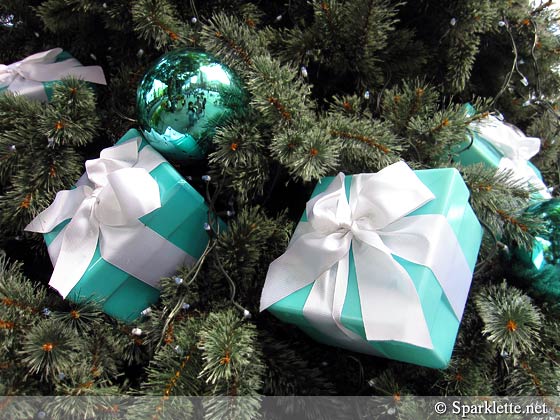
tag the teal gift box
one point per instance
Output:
(451, 201)
(180, 220)
(35, 76)
(478, 149)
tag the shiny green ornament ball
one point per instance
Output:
(183, 98)
(540, 268)
(546, 248)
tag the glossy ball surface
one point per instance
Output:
(181, 100)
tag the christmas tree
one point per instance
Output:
(332, 86)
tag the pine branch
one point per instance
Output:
(62, 15)
(546, 126)
(231, 357)
(175, 366)
(278, 95)
(498, 199)
(533, 377)
(511, 321)
(235, 42)
(81, 318)
(246, 249)
(473, 18)
(42, 137)
(401, 104)
(240, 158)
(49, 350)
(156, 22)
(366, 145)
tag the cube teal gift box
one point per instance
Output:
(372, 300)
(36, 75)
(489, 135)
(501, 146)
(148, 219)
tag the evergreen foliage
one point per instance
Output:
(45, 138)
(509, 319)
(334, 85)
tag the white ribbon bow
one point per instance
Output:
(116, 190)
(25, 76)
(374, 225)
(516, 148)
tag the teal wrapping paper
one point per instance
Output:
(451, 202)
(180, 220)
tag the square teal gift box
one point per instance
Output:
(344, 279)
(36, 75)
(481, 149)
(131, 220)
(516, 150)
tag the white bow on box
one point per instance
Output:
(25, 77)
(516, 149)
(116, 190)
(374, 221)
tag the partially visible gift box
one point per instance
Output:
(502, 146)
(131, 220)
(381, 264)
(35, 76)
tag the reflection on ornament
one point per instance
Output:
(183, 98)
(546, 248)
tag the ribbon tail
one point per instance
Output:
(323, 309)
(319, 308)
(64, 206)
(48, 56)
(390, 305)
(43, 72)
(55, 245)
(413, 240)
(77, 249)
(528, 147)
(92, 74)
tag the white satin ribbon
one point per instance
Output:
(516, 148)
(24, 77)
(375, 224)
(105, 208)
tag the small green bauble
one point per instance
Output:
(183, 98)
(539, 270)
(546, 249)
